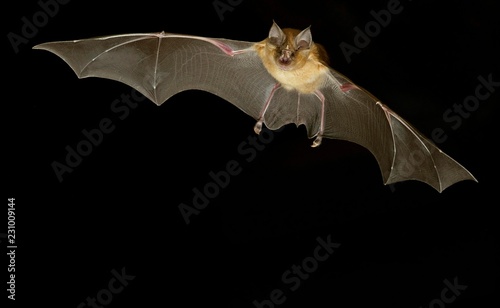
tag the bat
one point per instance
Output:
(283, 79)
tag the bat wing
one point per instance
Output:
(160, 65)
(351, 113)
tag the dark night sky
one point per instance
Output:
(119, 207)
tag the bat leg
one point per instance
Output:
(317, 141)
(258, 126)
(319, 136)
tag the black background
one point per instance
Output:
(119, 207)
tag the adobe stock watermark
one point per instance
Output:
(294, 276)
(219, 180)
(448, 294)
(223, 6)
(372, 29)
(92, 138)
(30, 26)
(454, 117)
(105, 296)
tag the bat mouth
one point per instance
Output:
(285, 59)
(285, 65)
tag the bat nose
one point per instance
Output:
(286, 56)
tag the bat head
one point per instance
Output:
(289, 48)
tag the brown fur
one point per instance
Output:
(307, 70)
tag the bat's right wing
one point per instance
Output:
(160, 65)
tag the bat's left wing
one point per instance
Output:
(160, 65)
(402, 152)
(342, 110)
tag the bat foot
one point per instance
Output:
(258, 127)
(317, 141)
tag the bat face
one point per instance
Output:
(289, 48)
(293, 59)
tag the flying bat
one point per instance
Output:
(283, 79)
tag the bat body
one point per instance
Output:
(282, 79)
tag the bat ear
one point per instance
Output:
(276, 35)
(304, 38)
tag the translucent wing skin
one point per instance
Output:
(402, 152)
(353, 114)
(160, 65)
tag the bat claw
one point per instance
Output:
(317, 141)
(258, 127)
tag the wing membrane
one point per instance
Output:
(160, 65)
